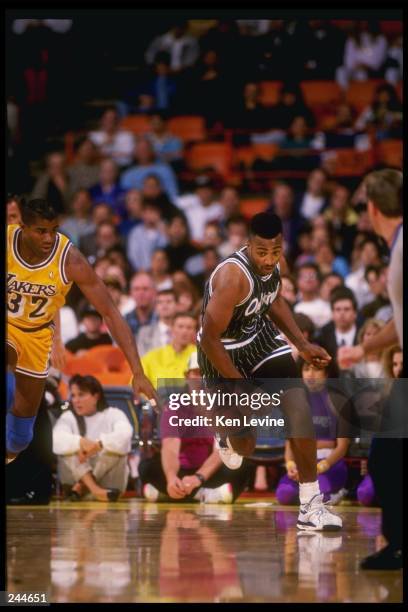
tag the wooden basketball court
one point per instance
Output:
(134, 551)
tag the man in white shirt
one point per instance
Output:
(310, 304)
(383, 190)
(158, 334)
(200, 207)
(113, 142)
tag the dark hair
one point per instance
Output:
(93, 386)
(342, 293)
(384, 190)
(301, 363)
(236, 219)
(373, 268)
(305, 324)
(336, 274)
(37, 208)
(310, 265)
(265, 225)
(12, 197)
(166, 292)
(291, 279)
(188, 314)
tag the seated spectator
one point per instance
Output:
(371, 366)
(95, 245)
(376, 278)
(179, 248)
(103, 213)
(79, 223)
(393, 362)
(305, 245)
(159, 269)
(343, 219)
(112, 141)
(328, 261)
(236, 238)
(342, 329)
(297, 137)
(152, 191)
(208, 87)
(170, 361)
(91, 321)
(133, 212)
(282, 204)
(332, 445)
(289, 106)
(393, 69)
(168, 148)
(313, 200)
(144, 294)
(84, 172)
(189, 467)
(13, 214)
(229, 200)
(146, 163)
(308, 281)
(305, 324)
(369, 255)
(187, 299)
(182, 48)
(212, 235)
(365, 53)
(146, 237)
(329, 282)
(92, 441)
(249, 113)
(384, 114)
(123, 302)
(288, 289)
(158, 334)
(108, 189)
(210, 260)
(200, 207)
(54, 184)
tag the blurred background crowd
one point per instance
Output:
(159, 139)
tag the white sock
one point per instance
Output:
(307, 490)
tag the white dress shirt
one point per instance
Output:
(347, 337)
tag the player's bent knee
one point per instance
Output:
(19, 432)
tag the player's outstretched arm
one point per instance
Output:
(230, 287)
(78, 270)
(281, 314)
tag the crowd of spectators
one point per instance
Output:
(155, 236)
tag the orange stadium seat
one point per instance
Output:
(349, 162)
(247, 155)
(320, 93)
(216, 155)
(252, 206)
(360, 93)
(110, 357)
(269, 92)
(83, 365)
(390, 152)
(138, 124)
(189, 128)
(114, 378)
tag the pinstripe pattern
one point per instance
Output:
(251, 338)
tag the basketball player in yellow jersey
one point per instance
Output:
(42, 264)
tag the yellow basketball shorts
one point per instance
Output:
(33, 350)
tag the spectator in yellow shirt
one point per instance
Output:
(170, 361)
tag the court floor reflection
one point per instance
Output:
(141, 552)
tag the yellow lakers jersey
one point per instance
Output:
(35, 292)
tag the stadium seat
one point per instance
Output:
(349, 162)
(390, 152)
(252, 206)
(138, 124)
(211, 155)
(114, 378)
(111, 357)
(360, 93)
(83, 365)
(269, 92)
(320, 93)
(189, 128)
(391, 28)
(246, 155)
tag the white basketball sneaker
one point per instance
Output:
(150, 492)
(228, 456)
(315, 516)
(219, 495)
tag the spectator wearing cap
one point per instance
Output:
(369, 255)
(200, 207)
(112, 141)
(92, 322)
(108, 189)
(158, 334)
(146, 237)
(342, 330)
(310, 303)
(189, 467)
(147, 163)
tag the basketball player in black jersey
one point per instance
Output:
(243, 315)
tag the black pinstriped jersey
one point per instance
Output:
(251, 337)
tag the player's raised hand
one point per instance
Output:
(314, 354)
